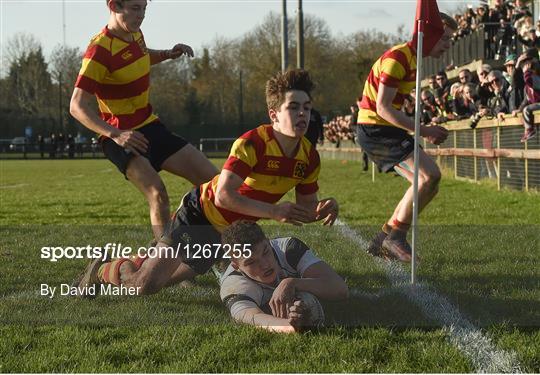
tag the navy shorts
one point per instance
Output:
(386, 146)
(161, 144)
(189, 226)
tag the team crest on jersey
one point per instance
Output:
(272, 164)
(300, 169)
(127, 55)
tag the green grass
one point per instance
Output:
(479, 248)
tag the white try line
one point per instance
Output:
(486, 358)
(13, 186)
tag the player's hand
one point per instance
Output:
(298, 315)
(328, 210)
(434, 134)
(292, 213)
(283, 298)
(179, 50)
(132, 140)
(500, 116)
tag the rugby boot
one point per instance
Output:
(396, 245)
(529, 133)
(375, 246)
(89, 279)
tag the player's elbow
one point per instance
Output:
(75, 107)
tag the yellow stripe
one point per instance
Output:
(117, 45)
(270, 184)
(393, 68)
(210, 211)
(94, 70)
(101, 40)
(131, 72)
(241, 150)
(124, 106)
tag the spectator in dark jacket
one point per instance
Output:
(315, 130)
(530, 67)
(498, 104)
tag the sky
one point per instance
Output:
(197, 22)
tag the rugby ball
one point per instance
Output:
(316, 312)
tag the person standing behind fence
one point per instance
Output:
(383, 133)
(116, 69)
(530, 66)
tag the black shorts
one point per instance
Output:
(161, 144)
(386, 146)
(190, 227)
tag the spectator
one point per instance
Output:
(464, 76)
(498, 104)
(315, 132)
(504, 40)
(531, 40)
(71, 146)
(53, 146)
(41, 145)
(531, 102)
(409, 104)
(432, 82)
(444, 84)
(464, 103)
(429, 108)
(484, 92)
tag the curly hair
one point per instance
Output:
(243, 232)
(279, 84)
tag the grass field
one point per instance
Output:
(479, 250)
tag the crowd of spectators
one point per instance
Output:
(488, 93)
(505, 23)
(492, 93)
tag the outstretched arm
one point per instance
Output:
(228, 197)
(157, 56)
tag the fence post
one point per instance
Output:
(526, 169)
(498, 157)
(475, 158)
(455, 156)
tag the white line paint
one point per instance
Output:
(479, 348)
(13, 186)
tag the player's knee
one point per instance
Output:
(431, 179)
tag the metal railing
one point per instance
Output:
(492, 151)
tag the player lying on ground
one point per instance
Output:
(264, 164)
(277, 286)
(116, 70)
(383, 133)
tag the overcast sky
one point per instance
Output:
(197, 22)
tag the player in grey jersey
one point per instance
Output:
(278, 285)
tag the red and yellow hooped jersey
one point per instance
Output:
(268, 174)
(117, 72)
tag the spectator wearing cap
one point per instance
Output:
(528, 63)
(498, 104)
(484, 92)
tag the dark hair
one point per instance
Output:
(449, 21)
(279, 84)
(119, 3)
(243, 232)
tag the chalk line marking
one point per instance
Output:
(485, 357)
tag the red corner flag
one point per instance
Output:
(433, 28)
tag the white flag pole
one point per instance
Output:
(416, 147)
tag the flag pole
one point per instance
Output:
(416, 147)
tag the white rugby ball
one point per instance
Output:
(316, 312)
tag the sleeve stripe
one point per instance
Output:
(294, 251)
(87, 84)
(97, 53)
(307, 189)
(93, 69)
(389, 81)
(238, 167)
(399, 56)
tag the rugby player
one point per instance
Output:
(383, 133)
(116, 70)
(264, 164)
(263, 289)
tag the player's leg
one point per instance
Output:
(144, 176)
(428, 182)
(528, 121)
(191, 164)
